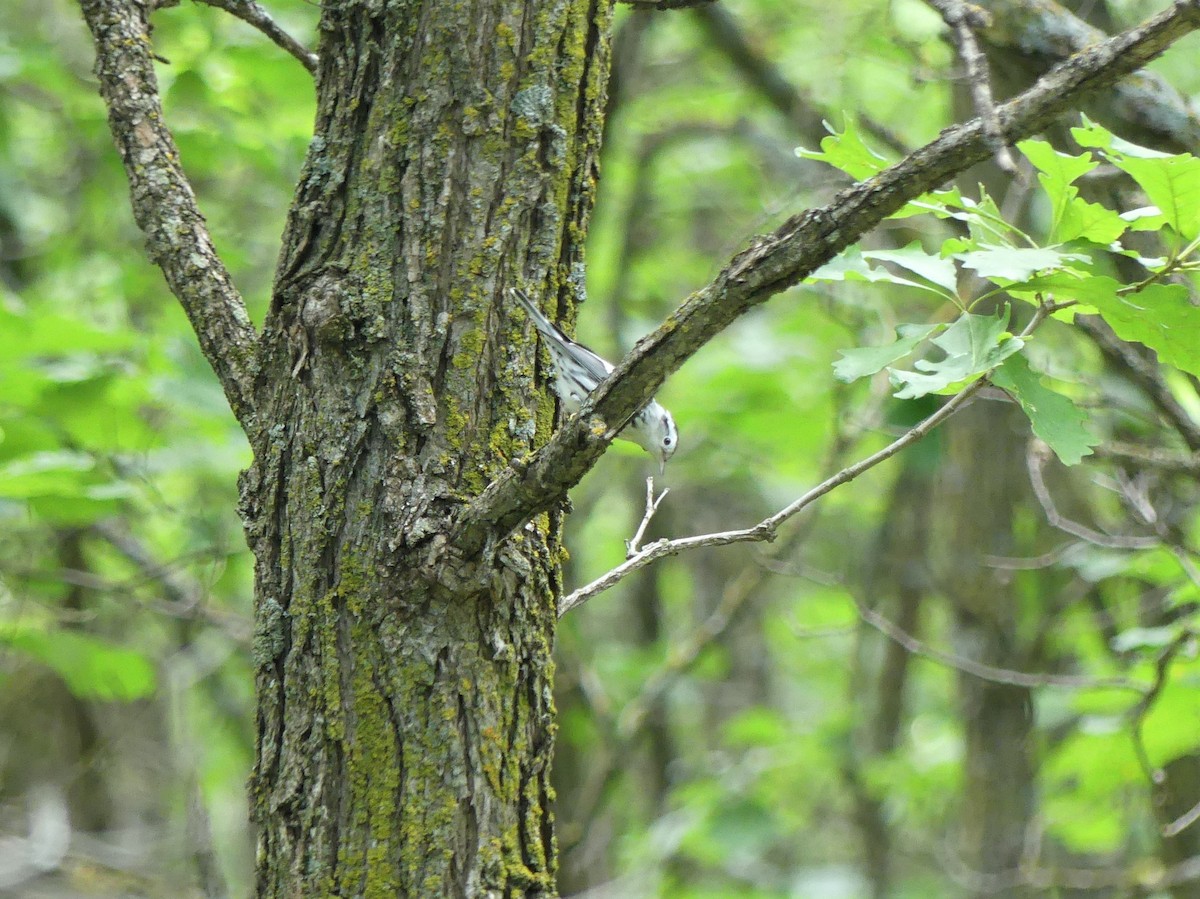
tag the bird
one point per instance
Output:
(577, 371)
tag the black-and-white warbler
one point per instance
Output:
(577, 371)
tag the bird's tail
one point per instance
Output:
(542, 323)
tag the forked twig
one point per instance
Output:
(631, 546)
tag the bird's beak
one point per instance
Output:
(662, 467)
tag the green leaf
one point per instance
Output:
(913, 258)
(1072, 217)
(756, 726)
(973, 344)
(1016, 263)
(1055, 419)
(861, 362)
(90, 666)
(1172, 182)
(1144, 218)
(853, 265)
(1160, 315)
(1173, 185)
(850, 265)
(846, 151)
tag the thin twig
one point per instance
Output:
(1133, 877)
(1029, 563)
(962, 18)
(1162, 670)
(1149, 457)
(631, 546)
(186, 597)
(253, 14)
(990, 672)
(1035, 460)
(767, 529)
(1183, 822)
(790, 100)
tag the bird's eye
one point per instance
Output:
(666, 441)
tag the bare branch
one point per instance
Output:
(1149, 457)
(252, 13)
(1162, 671)
(1035, 462)
(766, 529)
(1183, 822)
(1139, 365)
(186, 597)
(631, 545)
(164, 205)
(666, 4)
(1140, 876)
(782, 259)
(990, 672)
(962, 18)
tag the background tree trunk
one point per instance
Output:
(405, 713)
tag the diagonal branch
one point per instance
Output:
(665, 4)
(962, 18)
(1027, 36)
(1139, 365)
(767, 529)
(253, 14)
(773, 263)
(164, 206)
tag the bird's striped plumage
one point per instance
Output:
(577, 371)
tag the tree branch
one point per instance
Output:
(991, 673)
(782, 259)
(666, 4)
(766, 529)
(1149, 457)
(961, 18)
(1140, 366)
(164, 205)
(253, 14)
(1030, 35)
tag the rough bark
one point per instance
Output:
(164, 206)
(405, 713)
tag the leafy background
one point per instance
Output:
(733, 722)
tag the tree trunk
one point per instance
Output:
(980, 491)
(405, 715)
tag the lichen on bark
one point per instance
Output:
(406, 719)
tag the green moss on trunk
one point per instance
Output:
(405, 718)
